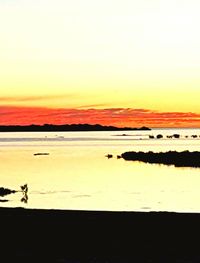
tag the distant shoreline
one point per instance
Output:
(66, 127)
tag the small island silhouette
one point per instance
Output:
(64, 127)
(178, 159)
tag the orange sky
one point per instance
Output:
(112, 62)
(120, 117)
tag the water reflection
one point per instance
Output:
(77, 175)
(24, 189)
(24, 199)
(6, 191)
(4, 200)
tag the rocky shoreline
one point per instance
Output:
(178, 159)
(33, 235)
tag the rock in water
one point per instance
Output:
(6, 191)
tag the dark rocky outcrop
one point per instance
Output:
(179, 159)
(109, 156)
(176, 136)
(6, 191)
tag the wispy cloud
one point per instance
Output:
(108, 116)
(93, 106)
(17, 99)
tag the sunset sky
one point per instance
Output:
(112, 62)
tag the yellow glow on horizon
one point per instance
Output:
(138, 54)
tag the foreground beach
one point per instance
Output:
(29, 235)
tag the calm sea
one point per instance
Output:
(76, 174)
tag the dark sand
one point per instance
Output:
(29, 235)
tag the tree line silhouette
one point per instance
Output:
(65, 127)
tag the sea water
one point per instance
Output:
(75, 173)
